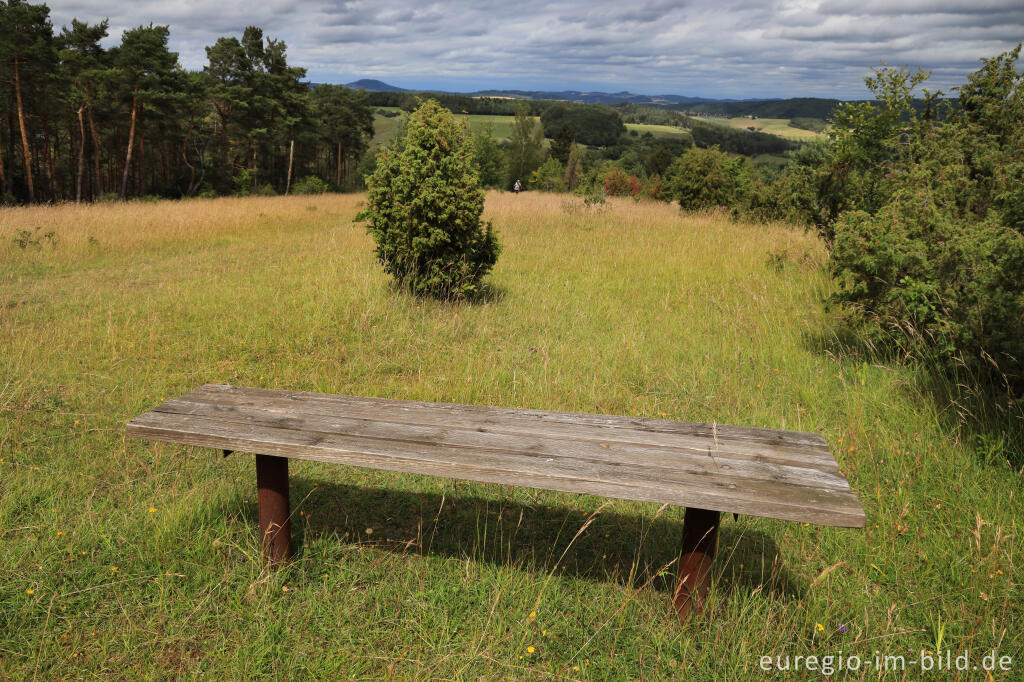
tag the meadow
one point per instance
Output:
(501, 126)
(135, 560)
(775, 126)
(659, 130)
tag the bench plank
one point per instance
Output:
(776, 474)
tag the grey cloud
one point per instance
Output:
(744, 48)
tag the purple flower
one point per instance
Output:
(841, 627)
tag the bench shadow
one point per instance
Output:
(629, 549)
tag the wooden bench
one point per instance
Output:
(706, 468)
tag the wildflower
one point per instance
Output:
(533, 614)
(284, 588)
(30, 591)
(999, 571)
(841, 628)
(76, 422)
(821, 628)
(543, 633)
(152, 510)
(984, 596)
(59, 533)
(113, 569)
(576, 668)
(530, 649)
(369, 531)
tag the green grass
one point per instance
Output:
(135, 560)
(384, 128)
(659, 130)
(501, 126)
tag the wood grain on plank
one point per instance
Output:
(786, 475)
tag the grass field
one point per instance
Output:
(134, 560)
(659, 130)
(384, 128)
(775, 126)
(501, 126)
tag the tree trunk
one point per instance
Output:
(98, 181)
(128, 155)
(26, 153)
(291, 156)
(141, 165)
(3, 174)
(338, 174)
(49, 161)
(81, 157)
(184, 156)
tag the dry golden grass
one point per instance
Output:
(133, 226)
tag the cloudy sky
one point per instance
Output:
(710, 48)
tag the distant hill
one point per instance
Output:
(373, 85)
(585, 97)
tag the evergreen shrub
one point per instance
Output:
(423, 208)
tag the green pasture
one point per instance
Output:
(659, 130)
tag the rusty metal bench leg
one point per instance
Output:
(275, 526)
(700, 528)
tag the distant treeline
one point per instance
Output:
(459, 104)
(799, 107)
(86, 122)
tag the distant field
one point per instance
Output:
(658, 130)
(384, 127)
(501, 126)
(775, 126)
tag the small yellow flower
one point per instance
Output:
(113, 569)
(152, 509)
(821, 628)
(30, 591)
(543, 633)
(60, 532)
(530, 649)
(576, 668)
(999, 571)
(284, 588)
(76, 422)
(984, 596)
(533, 614)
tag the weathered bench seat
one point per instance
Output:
(705, 467)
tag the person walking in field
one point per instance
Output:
(517, 187)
